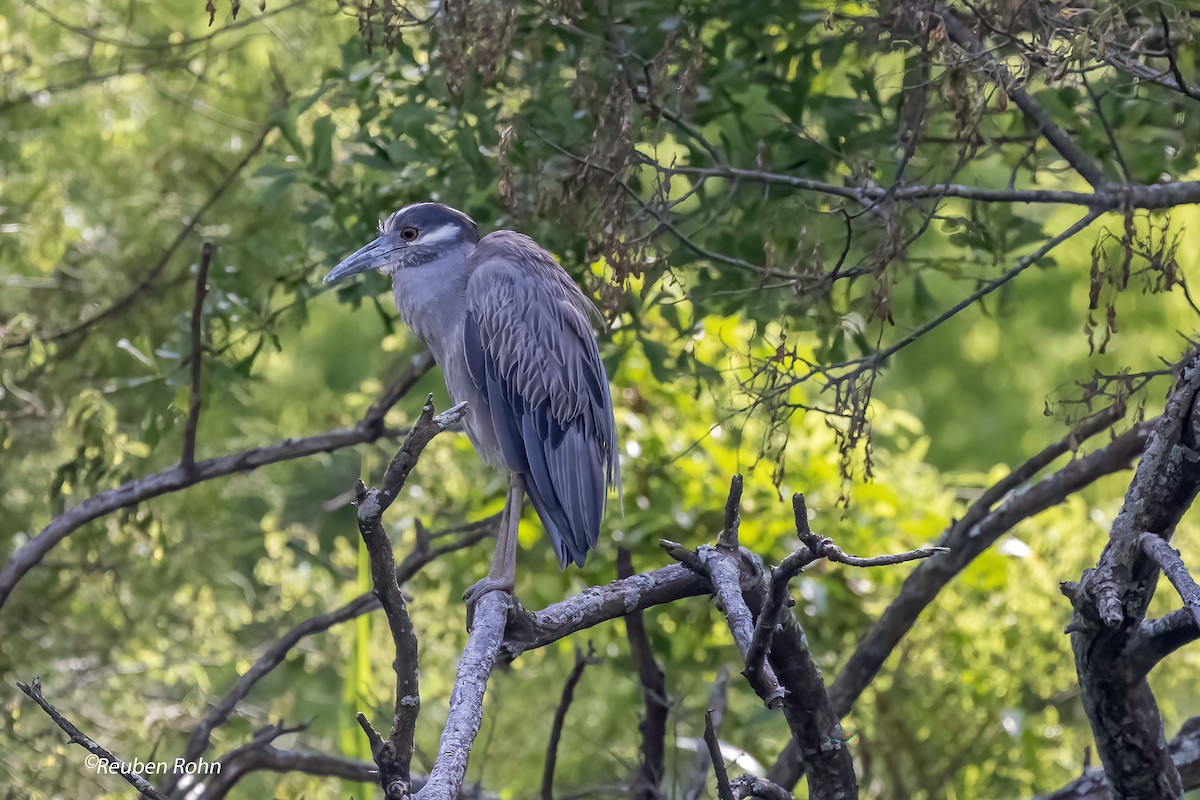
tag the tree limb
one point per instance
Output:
(466, 700)
(996, 512)
(172, 479)
(1185, 753)
(651, 767)
(1169, 561)
(34, 691)
(394, 756)
(560, 717)
(1111, 600)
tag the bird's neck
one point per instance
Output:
(431, 299)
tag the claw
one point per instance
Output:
(473, 595)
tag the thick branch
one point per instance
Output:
(466, 700)
(749, 786)
(1158, 638)
(1185, 753)
(601, 603)
(34, 691)
(1111, 600)
(175, 478)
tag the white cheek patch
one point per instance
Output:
(438, 235)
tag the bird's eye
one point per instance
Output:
(408, 234)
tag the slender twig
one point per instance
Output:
(34, 691)
(718, 761)
(1114, 197)
(172, 479)
(1171, 563)
(126, 300)
(188, 460)
(880, 357)
(394, 756)
(653, 727)
(1180, 82)
(960, 33)
(718, 698)
(582, 661)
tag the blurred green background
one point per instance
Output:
(119, 122)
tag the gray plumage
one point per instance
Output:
(513, 335)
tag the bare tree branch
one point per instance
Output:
(718, 698)
(394, 756)
(751, 786)
(466, 701)
(651, 767)
(1156, 639)
(369, 429)
(188, 460)
(560, 717)
(119, 305)
(1170, 562)
(277, 652)
(718, 761)
(601, 603)
(1152, 196)
(1111, 600)
(34, 691)
(723, 566)
(997, 511)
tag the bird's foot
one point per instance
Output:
(489, 584)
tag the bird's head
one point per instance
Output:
(414, 235)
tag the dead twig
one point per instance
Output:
(718, 761)
(188, 459)
(653, 727)
(393, 756)
(34, 691)
(582, 661)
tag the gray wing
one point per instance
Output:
(532, 354)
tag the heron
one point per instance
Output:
(514, 338)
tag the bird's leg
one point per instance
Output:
(502, 575)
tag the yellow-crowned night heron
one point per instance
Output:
(513, 337)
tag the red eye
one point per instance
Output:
(408, 234)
